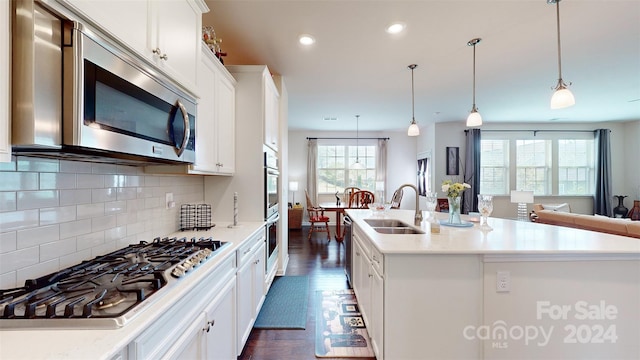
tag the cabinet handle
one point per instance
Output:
(375, 259)
(246, 252)
(209, 325)
(158, 52)
(370, 275)
(257, 261)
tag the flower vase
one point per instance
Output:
(454, 210)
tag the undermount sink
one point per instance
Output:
(387, 223)
(397, 230)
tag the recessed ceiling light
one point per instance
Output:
(330, 118)
(396, 27)
(306, 39)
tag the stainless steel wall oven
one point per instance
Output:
(272, 194)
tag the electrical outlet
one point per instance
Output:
(168, 200)
(503, 281)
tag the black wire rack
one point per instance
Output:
(195, 217)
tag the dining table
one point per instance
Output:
(338, 208)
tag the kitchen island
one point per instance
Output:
(519, 290)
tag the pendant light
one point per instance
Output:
(357, 165)
(562, 97)
(474, 118)
(413, 130)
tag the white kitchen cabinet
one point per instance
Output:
(263, 100)
(5, 71)
(166, 33)
(368, 284)
(271, 115)
(250, 286)
(215, 122)
(215, 125)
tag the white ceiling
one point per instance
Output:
(355, 67)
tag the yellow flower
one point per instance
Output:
(454, 189)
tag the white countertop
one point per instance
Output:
(507, 237)
(104, 344)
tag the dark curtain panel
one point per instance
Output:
(602, 197)
(471, 171)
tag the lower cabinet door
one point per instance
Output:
(220, 339)
(245, 318)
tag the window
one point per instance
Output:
(335, 172)
(575, 167)
(533, 166)
(494, 167)
(547, 163)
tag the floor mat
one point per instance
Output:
(285, 306)
(340, 330)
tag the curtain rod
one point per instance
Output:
(346, 138)
(535, 131)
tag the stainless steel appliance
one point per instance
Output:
(109, 290)
(348, 248)
(77, 95)
(272, 195)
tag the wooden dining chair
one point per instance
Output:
(348, 191)
(396, 199)
(360, 199)
(319, 222)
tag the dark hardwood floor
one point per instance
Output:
(321, 260)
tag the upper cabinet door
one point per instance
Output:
(5, 105)
(271, 113)
(128, 20)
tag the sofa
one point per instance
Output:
(561, 215)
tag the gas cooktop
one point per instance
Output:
(107, 291)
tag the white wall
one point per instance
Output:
(624, 153)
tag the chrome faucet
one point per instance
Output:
(418, 216)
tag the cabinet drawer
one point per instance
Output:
(244, 251)
(377, 259)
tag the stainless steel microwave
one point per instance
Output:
(77, 94)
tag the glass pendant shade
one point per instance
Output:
(357, 165)
(562, 98)
(474, 118)
(413, 130)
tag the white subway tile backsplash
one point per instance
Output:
(90, 240)
(8, 280)
(103, 249)
(75, 258)
(126, 193)
(37, 199)
(8, 166)
(57, 215)
(102, 195)
(16, 220)
(36, 236)
(99, 168)
(75, 228)
(89, 181)
(75, 197)
(15, 181)
(8, 201)
(76, 167)
(8, 241)
(115, 207)
(57, 181)
(18, 259)
(38, 270)
(56, 249)
(37, 164)
(115, 233)
(103, 222)
(90, 210)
